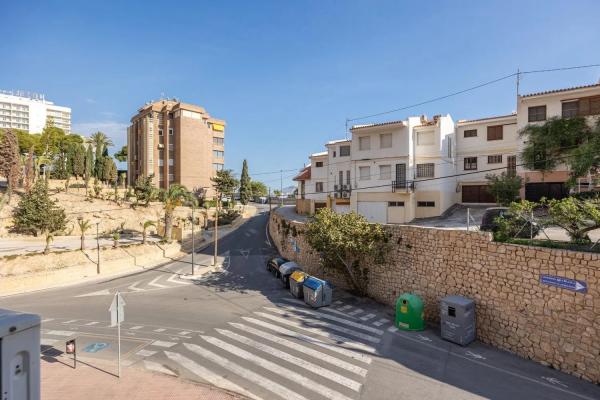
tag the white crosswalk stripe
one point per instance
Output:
(161, 343)
(381, 322)
(251, 376)
(60, 333)
(156, 367)
(392, 329)
(47, 320)
(277, 369)
(153, 283)
(356, 312)
(184, 333)
(368, 317)
(346, 307)
(207, 375)
(328, 325)
(146, 353)
(324, 309)
(341, 339)
(336, 349)
(297, 361)
(92, 323)
(160, 330)
(136, 327)
(70, 321)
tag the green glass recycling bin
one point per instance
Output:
(409, 313)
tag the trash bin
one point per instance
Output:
(286, 270)
(274, 263)
(296, 283)
(458, 319)
(317, 292)
(409, 313)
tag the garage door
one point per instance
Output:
(342, 208)
(476, 194)
(549, 190)
(373, 211)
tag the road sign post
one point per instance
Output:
(117, 315)
(71, 348)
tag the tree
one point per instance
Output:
(504, 187)
(563, 141)
(245, 188)
(145, 226)
(37, 213)
(144, 189)
(84, 225)
(174, 196)
(101, 143)
(29, 171)
(277, 193)
(258, 189)
(224, 183)
(576, 216)
(121, 155)
(78, 161)
(10, 160)
(345, 241)
(88, 167)
(49, 139)
(109, 171)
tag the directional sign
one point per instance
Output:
(564, 283)
(117, 310)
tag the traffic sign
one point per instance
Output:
(117, 310)
(564, 283)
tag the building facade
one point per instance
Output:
(176, 143)
(31, 112)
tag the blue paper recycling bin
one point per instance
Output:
(317, 292)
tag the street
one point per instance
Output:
(238, 329)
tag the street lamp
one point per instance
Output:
(193, 247)
(97, 248)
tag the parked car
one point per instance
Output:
(489, 224)
(274, 263)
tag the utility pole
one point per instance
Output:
(216, 229)
(193, 247)
(281, 187)
(97, 249)
(518, 80)
(269, 199)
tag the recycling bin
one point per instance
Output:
(458, 319)
(19, 355)
(409, 313)
(317, 292)
(286, 270)
(297, 279)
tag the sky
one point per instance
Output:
(285, 75)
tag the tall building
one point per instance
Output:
(31, 111)
(177, 142)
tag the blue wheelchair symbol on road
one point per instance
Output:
(95, 347)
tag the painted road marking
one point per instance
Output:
(337, 303)
(156, 367)
(368, 317)
(341, 350)
(324, 309)
(316, 322)
(161, 343)
(554, 381)
(184, 333)
(475, 355)
(277, 369)
(356, 312)
(172, 280)
(344, 308)
(298, 362)
(102, 292)
(146, 353)
(92, 323)
(134, 287)
(320, 332)
(381, 322)
(320, 315)
(160, 330)
(136, 327)
(153, 283)
(303, 349)
(259, 380)
(424, 338)
(70, 321)
(60, 333)
(47, 320)
(48, 342)
(392, 329)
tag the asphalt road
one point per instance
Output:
(238, 329)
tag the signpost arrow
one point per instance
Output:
(564, 283)
(117, 315)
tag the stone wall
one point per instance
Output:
(515, 312)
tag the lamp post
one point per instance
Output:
(97, 248)
(216, 229)
(193, 247)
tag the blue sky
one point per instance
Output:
(286, 74)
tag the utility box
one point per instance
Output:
(19, 355)
(409, 313)
(458, 319)
(317, 292)
(297, 283)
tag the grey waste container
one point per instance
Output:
(317, 292)
(19, 355)
(286, 270)
(458, 319)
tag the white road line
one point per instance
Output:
(136, 327)
(337, 349)
(277, 369)
(161, 343)
(316, 322)
(92, 323)
(153, 283)
(248, 375)
(60, 333)
(356, 312)
(173, 278)
(320, 332)
(368, 317)
(48, 342)
(320, 315)
(47, 320)
(392, 329)
(156, 367)
(70, 321)
(146, 353)
(184, 333)
(324, 309)
(303, 349)
(134, 287)
(298, 362)
(346, 307)
(381, 322)
(160, 330)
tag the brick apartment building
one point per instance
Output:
(177, 142)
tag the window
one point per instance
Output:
(395, 204)
(348, 178)
(494, 132)
(495, 159)
(385, 140)
(170, 131)
(424, 138)
(334, 154)
(219, 141)
(364, 173)
(344, 151)
(341, 176)
(425, 170)
(160, 132)
(364, 143)
(171, 146)
(218, 154)
(385, 172)
(319, 187)
(537, 113)
(425, 203)
(470, 163)
(170, 115)
(217, 167)
(171, 177)
(161, 162)
(449, 147)
(319, 164)
(511, 165)
(570, 109)
(171, 161)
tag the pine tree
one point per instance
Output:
(79, 161)
(245, 188)
(10, 160)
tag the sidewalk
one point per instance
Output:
(61, 382)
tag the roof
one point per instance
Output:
(374, 125)
(323, 153)
(303, 175)
(561, 90)
(464, 121)
(337, 141)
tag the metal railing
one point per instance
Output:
(408, 186)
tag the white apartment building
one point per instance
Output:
(31, 111)
(313, 185)
(339, 173)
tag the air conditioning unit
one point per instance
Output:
(336, 195)
(345, 187)
(345, 195)
(335, 187)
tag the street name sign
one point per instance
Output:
(564, 283)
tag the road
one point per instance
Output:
(238, 329)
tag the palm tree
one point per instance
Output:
(99, 139)
(116, 236)
(146, 225)
(174, 196)
(84, 225)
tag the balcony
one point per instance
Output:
(342, 191)
(403, 186)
